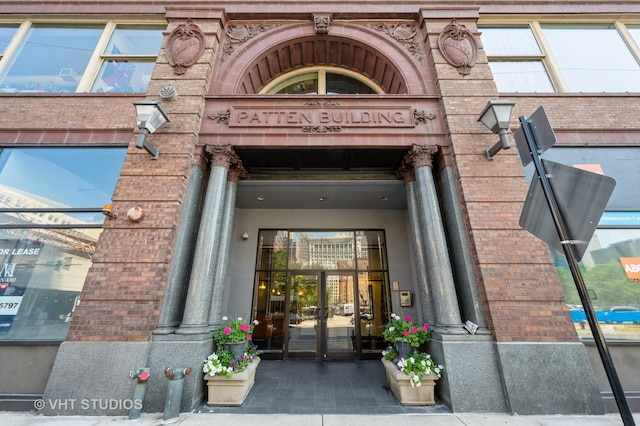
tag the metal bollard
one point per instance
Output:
(142, 375)
(176, 377)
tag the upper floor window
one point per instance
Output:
(67, 58)
(6, 34)
(322, 81)
(563, 57)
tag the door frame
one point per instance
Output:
(321, 317)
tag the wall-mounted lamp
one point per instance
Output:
(150, 116)
(245, 236)
(496, 116)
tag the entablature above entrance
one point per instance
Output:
(377, 120)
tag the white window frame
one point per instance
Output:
(98, 57)
(548, 60)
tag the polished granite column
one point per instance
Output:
(424, 294)
(180, 266)
(236, 172)
(436, 254)
(196, 311)
(462, 261)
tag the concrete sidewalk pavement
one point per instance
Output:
(201, 419)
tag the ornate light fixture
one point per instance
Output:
(149, 116)
(496, 116)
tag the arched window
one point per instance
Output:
(322, 81)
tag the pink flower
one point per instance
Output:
(414, 329)
(227, 331)
(244, 327)
(406, 333)
(408, 318)
(425, 327)
(249, 336)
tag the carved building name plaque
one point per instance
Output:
(313, 117)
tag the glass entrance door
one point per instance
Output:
(321, 315)
(321, 294)
(340, 339)
(303, 338)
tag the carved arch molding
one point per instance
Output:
(323, 48)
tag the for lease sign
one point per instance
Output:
(631, 267)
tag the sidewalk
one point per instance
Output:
(200, 419)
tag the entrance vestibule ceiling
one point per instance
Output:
(325, 194)
(321, 178)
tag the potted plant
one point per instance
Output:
(405, 334)
(411, 375)
(230, 371)
(234, 335)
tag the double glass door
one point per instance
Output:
(321, 315)
(321, 294)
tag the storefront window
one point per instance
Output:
(611, 271)
(50, 221)
(610, 266)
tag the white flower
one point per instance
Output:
(225, 318)
(239, 318)
(392, 328)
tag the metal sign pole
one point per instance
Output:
(568, 248)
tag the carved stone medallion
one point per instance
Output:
(185, 46)
(458, 46)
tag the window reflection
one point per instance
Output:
(42, 268)
(6, 34)
(593, 59)
(60, 59)
(129, 73)
(288, 271)
(42, 274)
(50, 60)
(322, 81)
(611, 271)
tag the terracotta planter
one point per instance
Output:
(401, 386)
(231, 391)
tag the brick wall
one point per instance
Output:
(521, 293)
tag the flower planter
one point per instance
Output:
(401, 386)
(231, 391)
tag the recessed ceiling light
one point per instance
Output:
(322, 198)
(384, 198)
(260, 198)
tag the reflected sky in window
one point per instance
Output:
(63, 177)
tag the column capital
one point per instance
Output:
(236, 170)
(421, 155)
(221, 155)
(406, 173)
